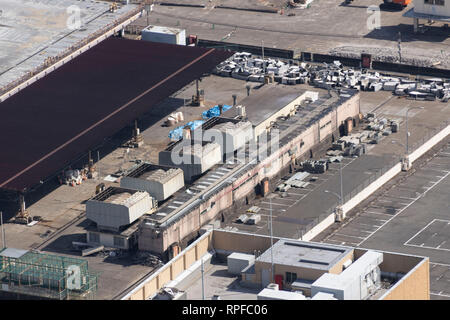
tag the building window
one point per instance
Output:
(119, 242)
(94, 237)
(435, 2)
(291, 277)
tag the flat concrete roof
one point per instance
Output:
(12, 253)
(32, 31)
(264, 102)
(304, 254)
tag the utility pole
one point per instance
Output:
(342, 188)
(3, 230)
(271, 241)
(264, 64)
(203, 283)
(407, 130)
(148, 9)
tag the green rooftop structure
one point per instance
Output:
(45, 276)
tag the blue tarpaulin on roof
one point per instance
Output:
(177, 133)
(214, 111)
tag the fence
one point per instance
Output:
(416, 145)
(256, 50)
(378, 174)
(377, 65)
(347, 197)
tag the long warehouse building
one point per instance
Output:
(47, 125)
(303, 126)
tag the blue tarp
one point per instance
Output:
(214, 111)
(177, 133)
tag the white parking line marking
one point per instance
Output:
(398, 197)
(347, 235)
(440, 294)
(384, 214)
(381, 220)
(359, 230)
(441, 264)
(418, 232)
(438, 170)
(276, 204)
(404, 208)
(426, 247)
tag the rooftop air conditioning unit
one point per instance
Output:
(273, 286)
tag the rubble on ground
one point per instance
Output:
(244, 66)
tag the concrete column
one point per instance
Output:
(416, 24)
(339, 215)
(406, 163)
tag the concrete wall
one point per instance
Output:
(325, 223)
(171, 270)
(240, 242)
(414, 286)
(338, 267)
(107, 240)
(421, 7)
(302, 273)
(371, 188)
(430, 143)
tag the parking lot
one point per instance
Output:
(412, 217)
(294, 210)
(290, 200)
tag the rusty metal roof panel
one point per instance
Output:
(51, 122)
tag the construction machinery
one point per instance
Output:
(397, 3)
(199, 98)
(23, 216)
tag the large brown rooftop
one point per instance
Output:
(46, 126)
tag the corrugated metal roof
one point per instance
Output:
(51, 122)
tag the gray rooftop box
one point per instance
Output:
(238, 262)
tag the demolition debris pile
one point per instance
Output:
(416, 56)
(242, 65)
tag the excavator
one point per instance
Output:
(394, 3)
(398, 3)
